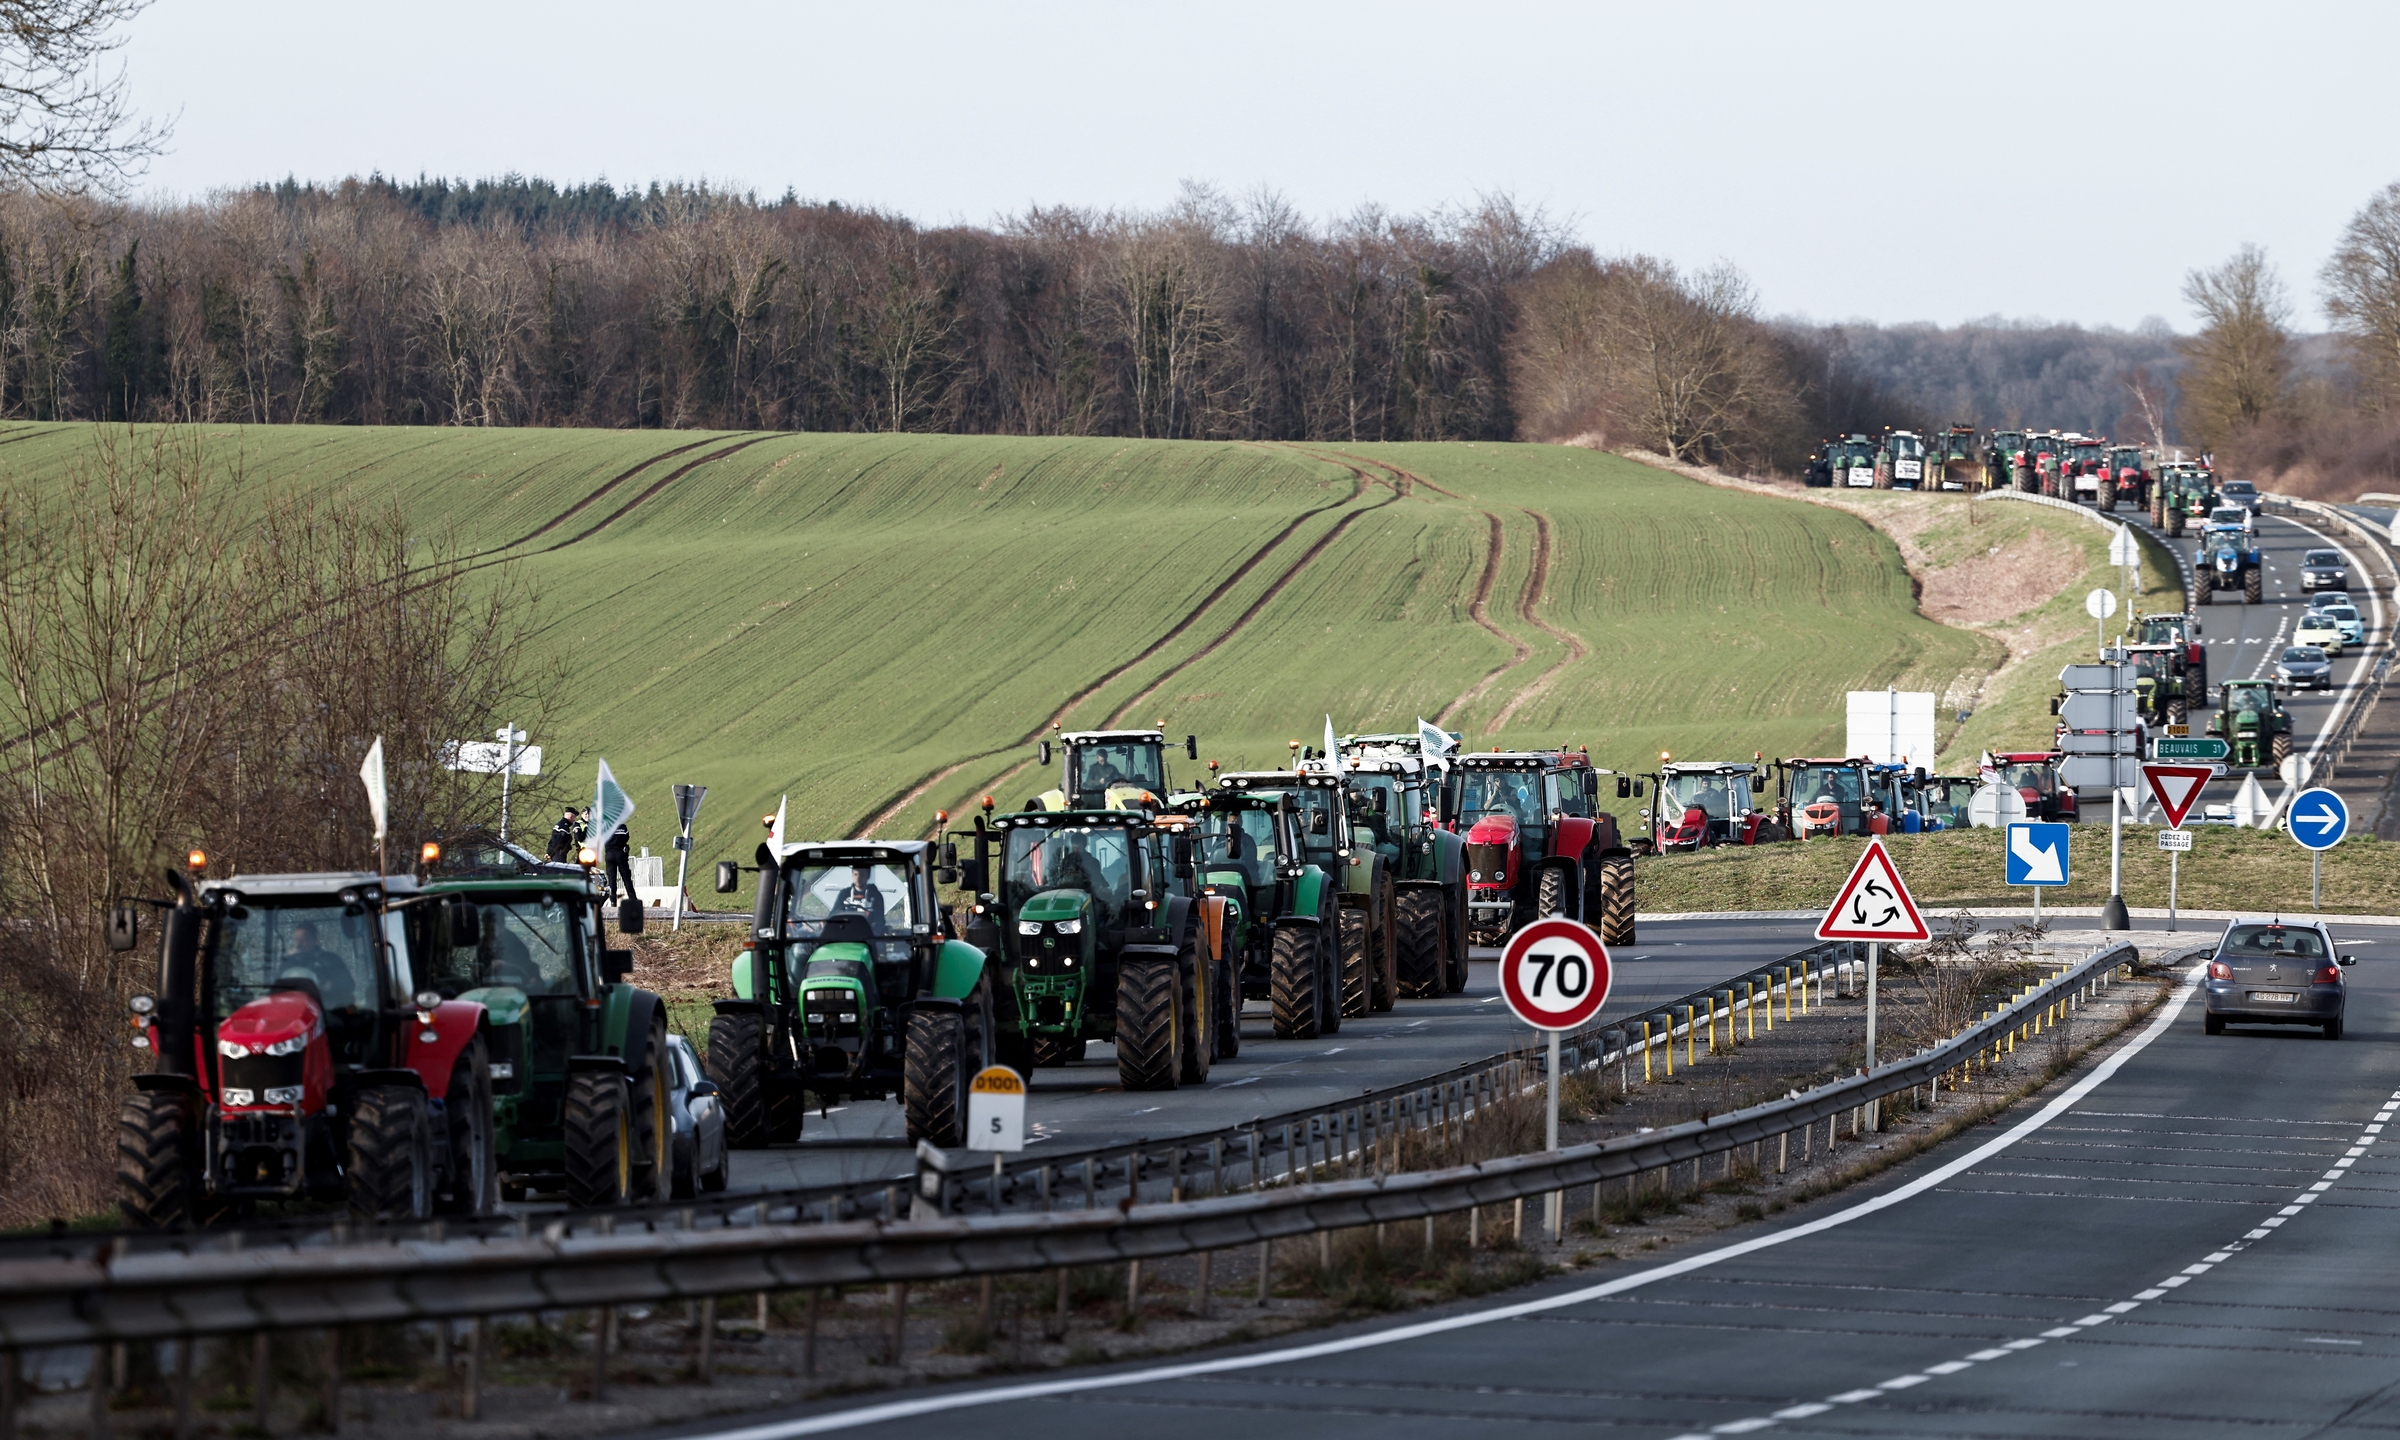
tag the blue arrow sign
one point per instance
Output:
(2037, 854)
(2319, 819)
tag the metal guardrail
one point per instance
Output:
(2335, 748)
(112, 1297)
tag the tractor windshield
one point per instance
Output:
(1100, 764)
(2008, 440)
(1501, 792)
(529, 943)
(1242, 840)
(2160, 632)
(1837, 786)
(1720, 797)
(1376, 803)
(2151, 664)
(1907, 447)
(1096, 859)
(2247, 699)
(325, 951)
(2027, 776)
(813, 893)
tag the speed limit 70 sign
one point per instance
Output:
(1555, 974)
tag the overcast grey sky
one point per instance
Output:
(1885, 162)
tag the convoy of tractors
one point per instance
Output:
(2068, 465)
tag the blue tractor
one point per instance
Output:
(2229, 559)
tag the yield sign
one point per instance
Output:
(2176, 787)
(1873, 904)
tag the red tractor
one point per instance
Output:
(2132, 477)
(1825, 797)
(294, 1059)
(2034, 773)
(1538, 844)
(1704, 804)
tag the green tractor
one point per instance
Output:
(1109, 770)
(579, 1066)
(1335, 838)
(1099, 936)
(1398, 797)
(852, 987)
(2174, 627)
(2255, 727)
(1280, 919)
(1956, 460)
(2162, 683)
(2183, 495)
(2005, 461)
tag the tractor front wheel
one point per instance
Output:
(654, 1122)
(158, 1155)
(2279, 749)
(1457, 967)
(1198, 999)
(1150, 1024)
(1227, 995)
(934, 1078)
(471, 1176)
(1616, 900)
(1550, 895)
(2177, 711)
(737, 1067)
(1295, 972)
(599, 1139)
(1384, 931)
(390, 1166)
(1358, 963)
(2254, 585)
(1420, 947)
(1050, 1051)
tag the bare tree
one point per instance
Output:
(65, 123)
(2362, 294)
(2239, 367)
(2149, 405)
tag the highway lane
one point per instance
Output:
(1082, 1104)
(2191, 1240)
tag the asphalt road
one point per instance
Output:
(1082, 1103)
(2192, 1240)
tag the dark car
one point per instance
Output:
(2239, 492)
(2304, 667)
(2269, 971)
(2324, 570)
(700, 1154)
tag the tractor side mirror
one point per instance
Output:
(1624, 787)
(1758, 784)
(1637, 793)
(972, 875)
(629, 916)
(615, 965)
(2055, 702)
(1191, 746)
(1045, 752)
(946, 870)
(466, 923)
(1180, 855)
(729, 877)
(1920, 774)
(123, 927)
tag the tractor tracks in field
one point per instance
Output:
(890, 809)
(1537, 585)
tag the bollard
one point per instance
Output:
(704, 1365)
(1205, 1257)
(1711, 1002)
(1266, 1268)
(899, 1337)
(1133, 1292)
(604, 1326)
(1645, 1052)
(470, 1390)
(1783, 1151)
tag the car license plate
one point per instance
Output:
(2273, 997)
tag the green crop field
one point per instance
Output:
(879, 624)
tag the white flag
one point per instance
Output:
(378, 800)
(1333, 749)
(775, 831)
(611, 806)
(1433, 740)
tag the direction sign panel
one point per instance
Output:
(2319, 819)
(2206, 747)
(1555, 974)
(2096, 677)
(2100, 710)
(2097, 772)
(2177, 788)
(996, 1109)
(1873, 904)
(2037, 854)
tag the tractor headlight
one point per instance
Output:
(292, 1046)
(282, 1094)
(240, 1097)
(1029, 927)
(232, 1049)
(1070, 927)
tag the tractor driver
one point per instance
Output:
(308, 960)
(861, 897)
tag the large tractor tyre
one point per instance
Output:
(390, 1164)
(1616, 900)
(1550, 894)
(471, 1168)
(2254, 585)
(2177, 711)
(1295, 974)
(1051, 1051)
(653, 1121)
(1150, 1024)
(599, 1139)
(2279, 749)
(1456, 949)
(933, 1100)
(1420, 948)
(737, 1066)
(1386, 937)
(1358, 963)
(1227, 995)
(1198, 1003)
(158, 1162)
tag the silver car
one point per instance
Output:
(2324, 570)
(2239, 492)
(2304, 667)
(700, 1153)
(2270, 971)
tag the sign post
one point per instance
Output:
(2319, 821)
(1555, 975)
(2102, 725)
(2176, 788)
(687, 809)
(1873, 905)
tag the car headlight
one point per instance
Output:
(282, 1094)
(1029, 927)
(1070, 927)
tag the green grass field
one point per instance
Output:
(856, 619)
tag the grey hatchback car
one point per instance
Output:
(2304, 667)
(2269, 971)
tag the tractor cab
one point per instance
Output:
(1945, 800)
(1434, 771)
(1955, 457)
(1854, 462)
(2085, 462)
(1707, 803)
(1895, 800)
(2004, 460)
(2182, 631)
(1824, 797)
(2124, 466)
(1109, 770)
(2034, 775)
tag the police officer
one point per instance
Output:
(563, 835)
(617, 852)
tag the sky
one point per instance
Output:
(1877, 162)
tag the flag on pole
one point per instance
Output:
(1433, 740)
(611, 806)
(378, 799)
(775, 831)
(1333, 748)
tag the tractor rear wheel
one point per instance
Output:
(653, 1121)
(1150, 1024)
(1227, 993)
(390, 1166)
(1054, 1050)
(1616, 900)
(599, 1139)
(2254, 585)
(2177, 711)
(2279, 749)
(737, 1067)
(1358, 963)
(933, 1100)
(1420, 957)
(1198, 1000)
(1295, 972)
(471, 1172)
(1456, 965)
(1550, 893)
(158, 1154)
